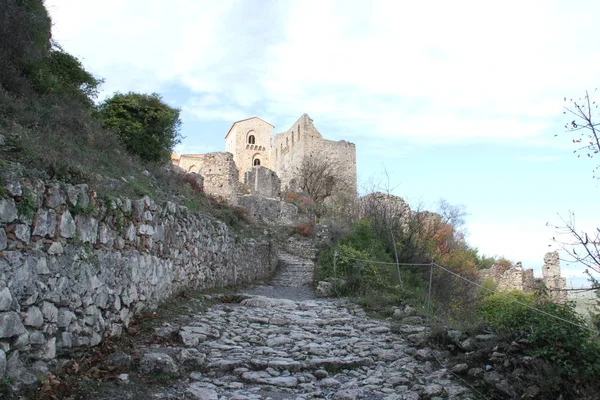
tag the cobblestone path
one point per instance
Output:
(266, 348)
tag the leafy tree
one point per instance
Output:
(61, 72)
(146, 125)
(32, 62)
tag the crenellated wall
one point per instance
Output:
(75, 267)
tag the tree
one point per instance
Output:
(25, 33)
(317, 178)
(582, 247)
(146, 125)
(584, 126)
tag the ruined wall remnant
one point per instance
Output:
(250, 143)
(218, 170)
(303, 140)
(552, 279)
(263, 182)
(515, 278)
(268, 210)
(74, 269)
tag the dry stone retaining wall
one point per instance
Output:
(74, 267)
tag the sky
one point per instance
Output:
(458, 100)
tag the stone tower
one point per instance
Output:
(249, 140)
(552, 279)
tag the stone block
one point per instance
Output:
(34, 317)
(45, 223)
(6, 299)
(3, 239)
(10, 325)
(23, 233)
(87, 228)
(8, 210)
(67, 225)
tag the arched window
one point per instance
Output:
(292, 138)
(251, 139)
(256, 162)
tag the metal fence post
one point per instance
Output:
(335, 281)
(429, 293)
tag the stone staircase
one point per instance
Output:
(296, 265)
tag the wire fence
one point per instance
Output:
(448, 292)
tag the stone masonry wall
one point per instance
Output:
(304, 140)
(552, 278)
(75, 267)
(219, 172)
(516, 278)
(263, 182)
(245, 153)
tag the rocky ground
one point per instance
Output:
(250, 346)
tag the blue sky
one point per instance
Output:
(457, 100)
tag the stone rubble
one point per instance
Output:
(280, 349)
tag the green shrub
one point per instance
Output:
(26, 206)
(502, 312)
(147, 126)
(555, 332)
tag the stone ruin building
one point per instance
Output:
(517, 278)
(259, 167)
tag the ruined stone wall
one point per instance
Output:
(516, 278)
(302, 140)
(221, 178)
(272, 211)
(263, 182)
(74, 268)
(245, 153)
(552, 278)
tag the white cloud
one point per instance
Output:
(515, 240)
(430, 72)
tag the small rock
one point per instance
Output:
(475, 372)
(197, 391)
(2, 363)
(460, 368)
(321, 373)
(191, 358)
(492, 377)
(424, 355)
(56, 248)
(329, 382)
(34, 317)
(158, 363)
(5, 299)
(347, 394)
(10, 325)
(433, 390)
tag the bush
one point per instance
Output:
(556, 333)
(147, 126)
(502, 312)
(305, 229)
(25, 33)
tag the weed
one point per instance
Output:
(26, 205)
(3, 192)
(5, 381)
(138, 189)
(89, 209)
